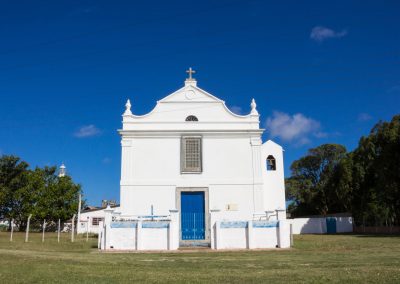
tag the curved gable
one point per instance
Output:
(190, 100)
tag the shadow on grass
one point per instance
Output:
(358, 235)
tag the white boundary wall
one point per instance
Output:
(118, 233)
(254, 234)
(138, 234)
(318, 225)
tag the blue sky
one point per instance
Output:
(320, 72)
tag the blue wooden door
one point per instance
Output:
(192, 215)
(331, 225)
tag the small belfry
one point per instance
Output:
(62, 171)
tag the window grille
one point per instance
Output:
(96, 221)
(271, 163)
(191, 118)
(191, 155)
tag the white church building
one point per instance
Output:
(195, 173)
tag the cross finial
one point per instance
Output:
(190, 72)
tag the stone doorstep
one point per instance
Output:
(195, 244)
(193, 250)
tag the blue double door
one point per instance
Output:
(193, 215)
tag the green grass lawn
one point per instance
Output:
(314, 258)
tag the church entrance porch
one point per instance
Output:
(194, 220)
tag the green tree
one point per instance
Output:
(310, 186)
(376, 176)
(58, 195)
(13, 178)
(39, 192)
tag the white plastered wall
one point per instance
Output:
(153, 174)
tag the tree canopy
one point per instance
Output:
(309, 185)
(40, 192)
(365, 182)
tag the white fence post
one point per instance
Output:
(73, 229)
(27, 228)
(291, 234)
(58, 231)
(44, 228)
(12, 230)
(87, 229)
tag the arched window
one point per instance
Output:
(191, 118)
(271, 163)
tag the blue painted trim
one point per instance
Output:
(152, 216)
(233, 224)
(123, 224)
(155, 225)
(265, 224)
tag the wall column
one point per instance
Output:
(107, 226)
(250, 244)
(258, 194)
(173, 231)
(214, 217)
(126, 160)
(139, 235)
(283, 229)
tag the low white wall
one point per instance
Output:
(139, 234)
(119, 233)
(318, 225)
(250, 234)
(344, 224)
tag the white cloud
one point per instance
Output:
(295, 128)
(106, 160)
(394, 89)
(87, 131)
(82, 11)
(322, 33)
(364, 117)
(236, 109)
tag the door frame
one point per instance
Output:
(207, 228)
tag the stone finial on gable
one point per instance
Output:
(128, 108)
(253, 107)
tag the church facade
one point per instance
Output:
(193, 155)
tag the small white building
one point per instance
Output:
(194, 156)
(90, 219)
